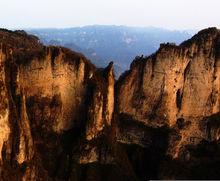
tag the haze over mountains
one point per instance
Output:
(63, 119)
(102, 44)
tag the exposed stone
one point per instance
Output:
(61, 118)
(50, 98)
(177, 82)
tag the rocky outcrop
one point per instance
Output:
(101, 107)
(61, 118)
(176, 85)
(176, 88)
(52, 101)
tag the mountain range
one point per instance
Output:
(119, 44)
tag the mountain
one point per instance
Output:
(52, 103)
(61, 118)
(102, 44)
(175, 94)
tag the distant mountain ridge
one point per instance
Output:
(102, 44)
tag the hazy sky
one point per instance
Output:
(172, 14)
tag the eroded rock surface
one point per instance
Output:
(61, 118)
(176, 88)
(53, 103)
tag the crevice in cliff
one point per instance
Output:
(186, 70)
(158, 102)
(11, 91)
(14, 112)
(179, 97)
(54, 51)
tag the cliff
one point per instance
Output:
(176, 89)
(53, 103)
(61, 118)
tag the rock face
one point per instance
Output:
(52, 101)
(175, 88)
(61, 118)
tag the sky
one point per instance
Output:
(169, 14)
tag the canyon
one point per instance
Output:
(61, 118)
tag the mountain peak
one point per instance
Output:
(208, 34)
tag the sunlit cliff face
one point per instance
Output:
(176, 83)
(62, 118)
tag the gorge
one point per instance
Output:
(61, 118)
